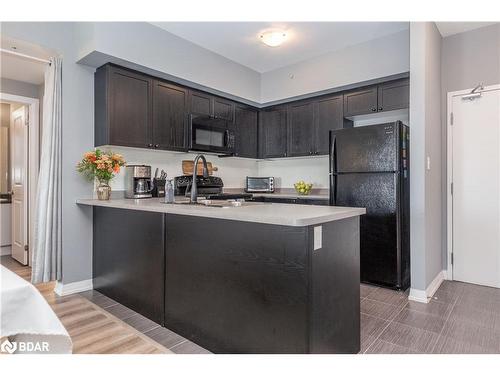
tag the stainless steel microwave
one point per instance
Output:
(211, 134)
(260, 185)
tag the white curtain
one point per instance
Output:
(46, 261)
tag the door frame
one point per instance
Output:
(33, 157)
(449, 173)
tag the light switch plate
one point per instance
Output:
(318, 237)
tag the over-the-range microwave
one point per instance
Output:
(260, 185)
(211, 134)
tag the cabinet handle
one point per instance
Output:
(374, 109)
(380, 108)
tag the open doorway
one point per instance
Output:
(21, 96)
(19, 163)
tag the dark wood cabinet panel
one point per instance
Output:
(246, 128)
(170, 117)
(394, 95)
(128, 259)
(223, 109)
(301, 129)
(330, 116)
(360, 102)
(125, 110)
(273, 133)
(200, 103)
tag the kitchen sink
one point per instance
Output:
(220, 203)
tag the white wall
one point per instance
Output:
(373, 59)
(288, 171)
(425, 186)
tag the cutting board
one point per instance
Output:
(187, 168)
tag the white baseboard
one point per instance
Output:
(423, 296)
(71, 288)
(5, 250)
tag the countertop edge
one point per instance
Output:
(293, 222)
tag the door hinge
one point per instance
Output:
(451, 258)
(452, 188)
(27, 120)
(26, 247)
(451, 118)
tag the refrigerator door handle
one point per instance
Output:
(333, 169)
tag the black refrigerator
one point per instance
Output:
(369, 167)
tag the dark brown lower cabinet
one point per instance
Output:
(128, 259)
(232, 286)
(239, 287)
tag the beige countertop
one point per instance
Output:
(267, 213)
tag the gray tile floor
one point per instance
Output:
(461, 318)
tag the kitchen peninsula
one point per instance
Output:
(256, 278)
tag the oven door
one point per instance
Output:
(210, 134)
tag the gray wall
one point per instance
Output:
(144, 45)
(10, 86)
(425, 115)
(373, 59)
(468, 59)
(78, 137)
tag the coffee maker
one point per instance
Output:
(138, 181)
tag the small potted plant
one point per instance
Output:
(101, 166)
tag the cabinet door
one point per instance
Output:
(246, 127)
(361, 101)
(200, 103)
(130, 107)
(223, 109)
(394, 95)
(300, 129)
(170, 117)
(330, 116)
(273, 131)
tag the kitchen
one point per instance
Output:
(302, 192)
(142, 111)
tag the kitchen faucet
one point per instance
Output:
(194, 188)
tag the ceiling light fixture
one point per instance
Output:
(273, 38)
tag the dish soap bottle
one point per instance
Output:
(169, 192)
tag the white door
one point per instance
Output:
(19, 166)
(476, 188)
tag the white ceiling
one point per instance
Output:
(451, 28)
(20, 68)
(239, 41)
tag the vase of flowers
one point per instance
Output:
(101, 166)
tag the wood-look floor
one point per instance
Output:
(92, 329)
(461, 318)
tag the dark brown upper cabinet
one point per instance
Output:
(329, 116)
(246, 129)
(209, 105)
(361, 101)
(394, 95)
(383, 97)
(223, 109)
(170, 116)
(123, 108)
(301, 129)
(273, 133)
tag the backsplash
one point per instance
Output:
(233, 171)
(288, 171)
